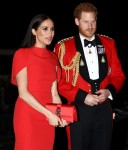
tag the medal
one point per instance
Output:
(103, 59)
(109, 70)
(81, 63)
(101, 49)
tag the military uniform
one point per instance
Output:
(75, 84)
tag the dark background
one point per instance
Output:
(15, 17)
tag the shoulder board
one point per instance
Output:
(65, 39)
(105, 36)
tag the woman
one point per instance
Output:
(35, 71)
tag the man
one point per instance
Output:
(91, 76)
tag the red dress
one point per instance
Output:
(32, 130)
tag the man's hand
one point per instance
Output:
(91, 100)
(103, 94)
(99, 97)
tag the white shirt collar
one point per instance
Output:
(82, 38)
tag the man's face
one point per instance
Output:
(87, 24)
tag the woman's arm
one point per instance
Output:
(25, 95)
(55, 95)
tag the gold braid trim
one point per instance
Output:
(74, 64)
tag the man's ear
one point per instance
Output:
(76, 21)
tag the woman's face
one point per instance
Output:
(44, 34)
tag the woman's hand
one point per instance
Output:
(54, 120)
(63, 123)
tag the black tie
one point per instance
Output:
(92, 43)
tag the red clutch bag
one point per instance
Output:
(64, 111)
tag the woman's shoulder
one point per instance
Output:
(54, 57)
(22, 53)
(22, 50)
(53, 54)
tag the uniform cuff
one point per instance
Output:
(112, 90)
(80, 97)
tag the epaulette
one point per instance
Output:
(65, 39)
(104, 36)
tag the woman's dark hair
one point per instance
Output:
(29, 39)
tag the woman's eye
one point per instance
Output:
(45, 29)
